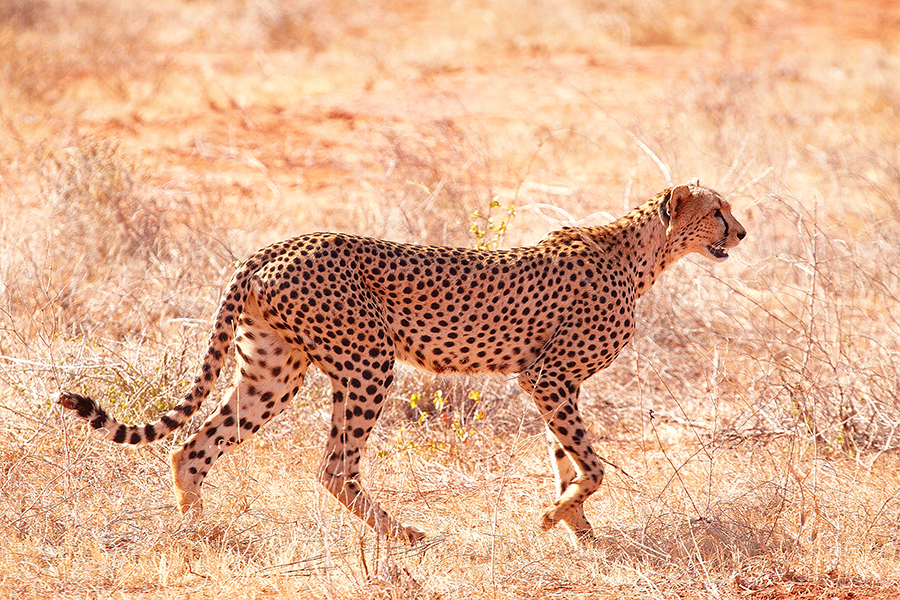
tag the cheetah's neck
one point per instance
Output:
(638, 243)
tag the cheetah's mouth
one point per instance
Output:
(717, 251)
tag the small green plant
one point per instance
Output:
(488, 230)
(445, 427)
(475, 397)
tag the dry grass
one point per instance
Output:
(751, 427)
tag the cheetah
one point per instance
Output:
(554, 314)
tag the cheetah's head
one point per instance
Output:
(697, 219)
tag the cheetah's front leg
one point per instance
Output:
(564, 473)
(578, 470)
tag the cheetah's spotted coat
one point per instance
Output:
(555, 313)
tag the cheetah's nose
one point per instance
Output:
(741, 234)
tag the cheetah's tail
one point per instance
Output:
(220, 339)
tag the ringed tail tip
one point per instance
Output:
(82, 405)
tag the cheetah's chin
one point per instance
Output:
(718, 252)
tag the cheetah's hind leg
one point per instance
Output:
(354, 413)
(268, 374)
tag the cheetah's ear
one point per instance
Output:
(672, 202)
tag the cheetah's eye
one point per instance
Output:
(719, 216)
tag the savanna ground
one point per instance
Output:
(751, 427)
